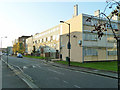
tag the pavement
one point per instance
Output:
(88, 70)
(10, 79)
(0, 74)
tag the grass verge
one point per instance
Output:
(37, 57)
(109, 66)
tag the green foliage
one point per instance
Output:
(110, 66)
(21, 48)
(37, 57)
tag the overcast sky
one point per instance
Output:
(28, 18)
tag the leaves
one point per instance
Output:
(118, 7)
(116, 29)
(100, 27)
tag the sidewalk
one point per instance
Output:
(10, 80)
(87, 70)
(0, 74)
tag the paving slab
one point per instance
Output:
(10, 79)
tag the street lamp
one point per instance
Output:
(68, 45)
(1, 44)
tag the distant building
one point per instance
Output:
(10, 50)
(2, 50)
(48, 39)
(19, 45)
(29, 45)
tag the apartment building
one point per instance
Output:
(85, 46)
(19, 45)
(49, 40)
(29, 45)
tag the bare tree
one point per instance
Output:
(101, 26)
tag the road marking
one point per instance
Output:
(56, 71)
(56, 78)
(77, 86)
(65, 81)
(39, 66)
(33, 66)
(27, 79)
(24, 67)
(76, 71)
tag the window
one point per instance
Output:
(114, 26)
(51, 38)
(36, 42)
(57, 37)
(23, 39)
(46, 39)
(90, 52)
(112, 52)
(89, 36)
(110, 38)
(42, 40)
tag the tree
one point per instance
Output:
(20, 47)
(100, 27)
(15, 48)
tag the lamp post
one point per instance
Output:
(1, 44)
(68, 45)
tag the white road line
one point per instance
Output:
(24, 67)
(76, 71)
(33, 66)
(77, 86)
(56, 78)
(27, 79)
(65, 81)
(39, 66)
(56, 71)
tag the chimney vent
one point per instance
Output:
(97, 13)
(75, 10)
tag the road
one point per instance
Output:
(47, 76)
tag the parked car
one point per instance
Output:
(9, 54)
(3, 53)
(19, 55)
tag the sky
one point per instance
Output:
(28, 18)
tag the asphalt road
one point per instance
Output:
(47, 76)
